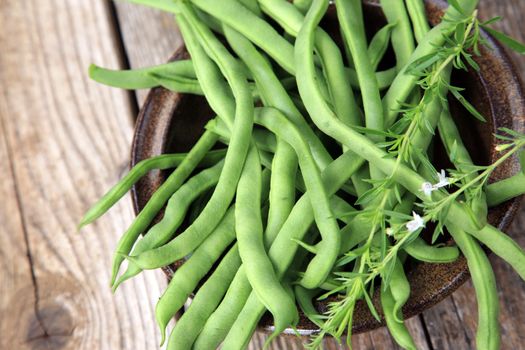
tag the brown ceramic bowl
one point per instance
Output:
(171, 122)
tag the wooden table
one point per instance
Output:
(65, 139)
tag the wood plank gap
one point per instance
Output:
(122, 55)
(29, 256)
(428, 339)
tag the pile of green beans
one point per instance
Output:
(323, 178)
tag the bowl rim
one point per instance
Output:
(144, 128)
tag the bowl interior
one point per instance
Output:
(171, 122)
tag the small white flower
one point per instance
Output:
(416, 223)
(443, 180)
(427, 188)
(389, 231)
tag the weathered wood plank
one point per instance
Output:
(67, 140)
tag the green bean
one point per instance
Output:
(502, 245)
(257, 265)
(216, 90)
(362, 186)
(405, 81)
(188, 327)
(186, 277)
(341, 208)
(350, 17)
(234, 159)
(416, 11)
(159, 198)
(282, 189)
(397, 329)
(399, 288)
(217, 324)
(140, 78)
(420, 250)
(220, 321)
(264, 36)
(340, 91)
(253, 6)
(282, 252)
(328, 123)
(303, 5)
(295, 227)
(178, 84)
(503, 190)
(402, 37)
(460, 157)
(174, 214)
(198, 205)
(488, 333)
(162, 162)
(235, 15)
(322, 263)
(379, 44)
(273, 91)
(304, 299)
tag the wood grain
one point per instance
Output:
(63, 141)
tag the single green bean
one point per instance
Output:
(399, 288)
(140, 78)
(253, 6)
(379, 44)
(350, 15)
(402, 37)
(420, 250)
(282, 189)
(186, 277)
(460, 157)
(174, 214)
(160, 197)
(304, 299)
(502, 245)
(220, 321)
(397, 329)
(188, 327)
(488, 333)
(418, 16)
(257, 265)
(503, 190)
(303, 5)
(162, 162)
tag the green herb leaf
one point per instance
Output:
(506, 40)
(522, 161)
(467, 105)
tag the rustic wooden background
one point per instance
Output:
(65, 139)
